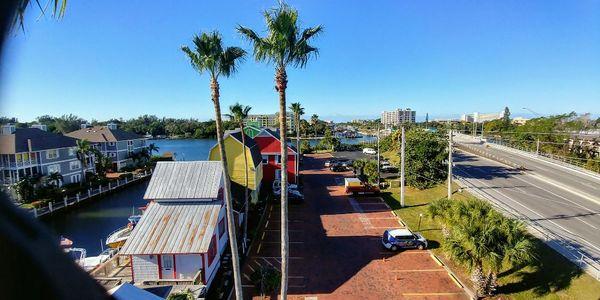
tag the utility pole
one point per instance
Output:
(537, 147)
(378, 162)
(402, 168)
(450, 163)
(482, 131)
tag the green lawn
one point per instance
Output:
(551, 277)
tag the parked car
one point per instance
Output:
(338, 167)
(369, 151)
(329, 163)
(403, 238)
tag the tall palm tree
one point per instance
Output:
(209, 56)
(237, 114)
(84, 148)
(314, 120)
(284, 45)
(54, 179)
(153, 148)
(298, 111)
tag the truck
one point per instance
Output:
(355, 186)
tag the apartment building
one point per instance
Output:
(397, 117)
(35, 152)
(113, 142)
(270, 120)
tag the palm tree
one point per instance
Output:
(25, 188)
(209, 56)
(59, 9)
(284, 45)
(298, 111)
(84, 148)
(54, 179)
(314, 119)
(153, 148)
(237, 114)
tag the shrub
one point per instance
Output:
(266, 279)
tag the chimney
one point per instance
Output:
(8, 129)
(29, 145)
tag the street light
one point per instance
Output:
(419, 227)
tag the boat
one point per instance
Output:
(65, 242)
(118, 237)
(77, 254)
(90, 263)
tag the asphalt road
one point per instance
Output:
(563, 202)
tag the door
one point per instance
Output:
(278, 174)
(167, 266)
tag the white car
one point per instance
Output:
(369, 151)
(403, 238)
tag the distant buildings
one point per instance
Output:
(397, 117)
(34, 152)
(478, 117)
(115, 143)
(519, 121)
(270, 120)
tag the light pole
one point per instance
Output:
(402, 168)
(450, 162)
(419, 227)
(378, 162)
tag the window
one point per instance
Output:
(212, 250)
(112, 154)
(74, 165)
(53, 169)
(52, 154)
(75, 178)
(221, 227)
(278, 159)
(265, 159)
(111, 143)
(72, 151)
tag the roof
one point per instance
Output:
(174, 227)
(17, 142)
(127, 291)
(400, 232)
(185, 180)
(100, 134)
(275, 134)
(250, 143)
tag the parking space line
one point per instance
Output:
(249, 266)
(289, 230)
(279, 257)
(280, 242)
(433, 294)
(270, 264)
(419, 270)
(247, 277)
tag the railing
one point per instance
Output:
(91, 192)
(196, 280)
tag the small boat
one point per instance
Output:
(65, 242)
(118, 237)
(90, 263)
(77, 254)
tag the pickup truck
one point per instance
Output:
(355, 186)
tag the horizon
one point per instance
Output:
(476, 58)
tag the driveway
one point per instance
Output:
(335, 247)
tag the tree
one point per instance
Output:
(59, 9)
(84, 148)
(25, 188)
(371, 171)
(506, 117)
(209, 56)
(237, 114)
(298, 111)
(54, 179)
(285, 44)
(153, 148)
(425, 157)
(314, 120)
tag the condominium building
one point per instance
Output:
(270, 120)
(478, 117)
(30, 152)
(397, 117)
(113, 142)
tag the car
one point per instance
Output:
(338, 167)
(329, 163)
(369, 151)
(403, 238)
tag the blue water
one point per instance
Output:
(93, 221)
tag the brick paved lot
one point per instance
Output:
(335, 248)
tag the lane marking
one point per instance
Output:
(419, 270)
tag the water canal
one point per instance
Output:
(90, 223)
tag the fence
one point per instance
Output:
(91, 192)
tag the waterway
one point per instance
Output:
(89, 225)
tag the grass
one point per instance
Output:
(551, 277)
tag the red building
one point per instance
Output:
(269, 143)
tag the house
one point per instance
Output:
(183, 232)
(252, 129)
(37, 152)
(112, 142)
(268, 142)
(234, 149)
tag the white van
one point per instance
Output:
(369, 151)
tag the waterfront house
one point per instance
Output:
(37, 152)
(269, 143)
(234, 149)
(183, 232)
(113, 142)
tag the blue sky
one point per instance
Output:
(121, 59)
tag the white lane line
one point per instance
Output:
(581, 239)
(270, 264)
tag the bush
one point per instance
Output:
(266, 279)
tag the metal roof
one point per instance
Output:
(255, 155)
(174, 227)
(100, 134)
(185, 180)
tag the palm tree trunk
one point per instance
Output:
(214, 86)
(246, 192)
(281, 85)
(297, 146)
(478, 280)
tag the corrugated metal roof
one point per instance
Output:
(174, 227)
(185, 180)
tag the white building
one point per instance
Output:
(478, 117)
(270, 120)
(183, 232)
(397, 117)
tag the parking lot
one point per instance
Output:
(336, 251)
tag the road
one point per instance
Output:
(561, 202)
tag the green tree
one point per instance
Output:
(237, 114)
(298, 111)
(425, 157)
(210, 56)
(25, 188)
(371, 171)
(506, 117)
(314, 120)
(84, 149)
(153, 148)
(54, 179)
(285, 44)
(59, 7)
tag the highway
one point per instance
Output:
(561, 202)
